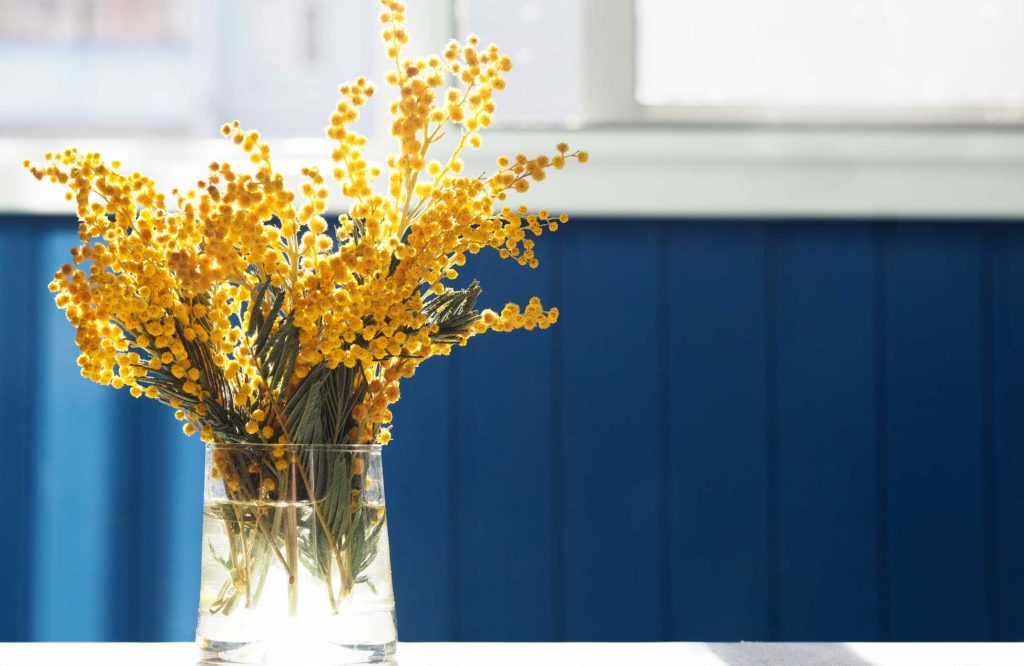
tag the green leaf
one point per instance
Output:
(453, 312)
(256, 308)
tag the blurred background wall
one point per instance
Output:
(783, 399)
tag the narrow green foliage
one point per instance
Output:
(453, 312)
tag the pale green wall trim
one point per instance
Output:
(699, 171)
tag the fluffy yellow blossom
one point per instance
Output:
(186, 297)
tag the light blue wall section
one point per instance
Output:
(77, 474)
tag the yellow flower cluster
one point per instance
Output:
(163, 288)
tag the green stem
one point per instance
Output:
(343, 570)
(292, 544)
(272, 542)
(247, 562)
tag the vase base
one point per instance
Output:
(269, 652)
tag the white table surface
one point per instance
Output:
(565, 654)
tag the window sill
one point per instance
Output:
(656, 171)
(784, 172)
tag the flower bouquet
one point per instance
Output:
(281, 337)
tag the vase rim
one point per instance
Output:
(304, 445)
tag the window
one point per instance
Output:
(822, 60)
(97, 64)
(687, 106)
(178, 67)
(542, 36)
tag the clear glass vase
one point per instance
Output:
(296, 567)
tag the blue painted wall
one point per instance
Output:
(738, 430)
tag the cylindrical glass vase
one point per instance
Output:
(296, 567)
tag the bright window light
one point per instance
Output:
(881, 59)
(542, 36)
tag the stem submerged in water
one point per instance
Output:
(292, 543)
(344, 575)
(320, 519)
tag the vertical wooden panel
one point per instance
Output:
(19, 302)
(138, 530)
(934, 410)
(719, 464)
(825, 350)
(417, 476)
(157, 531)
(506, 545)
(1007, 547)
(183, 522)
(77, 475)
(609, 325)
